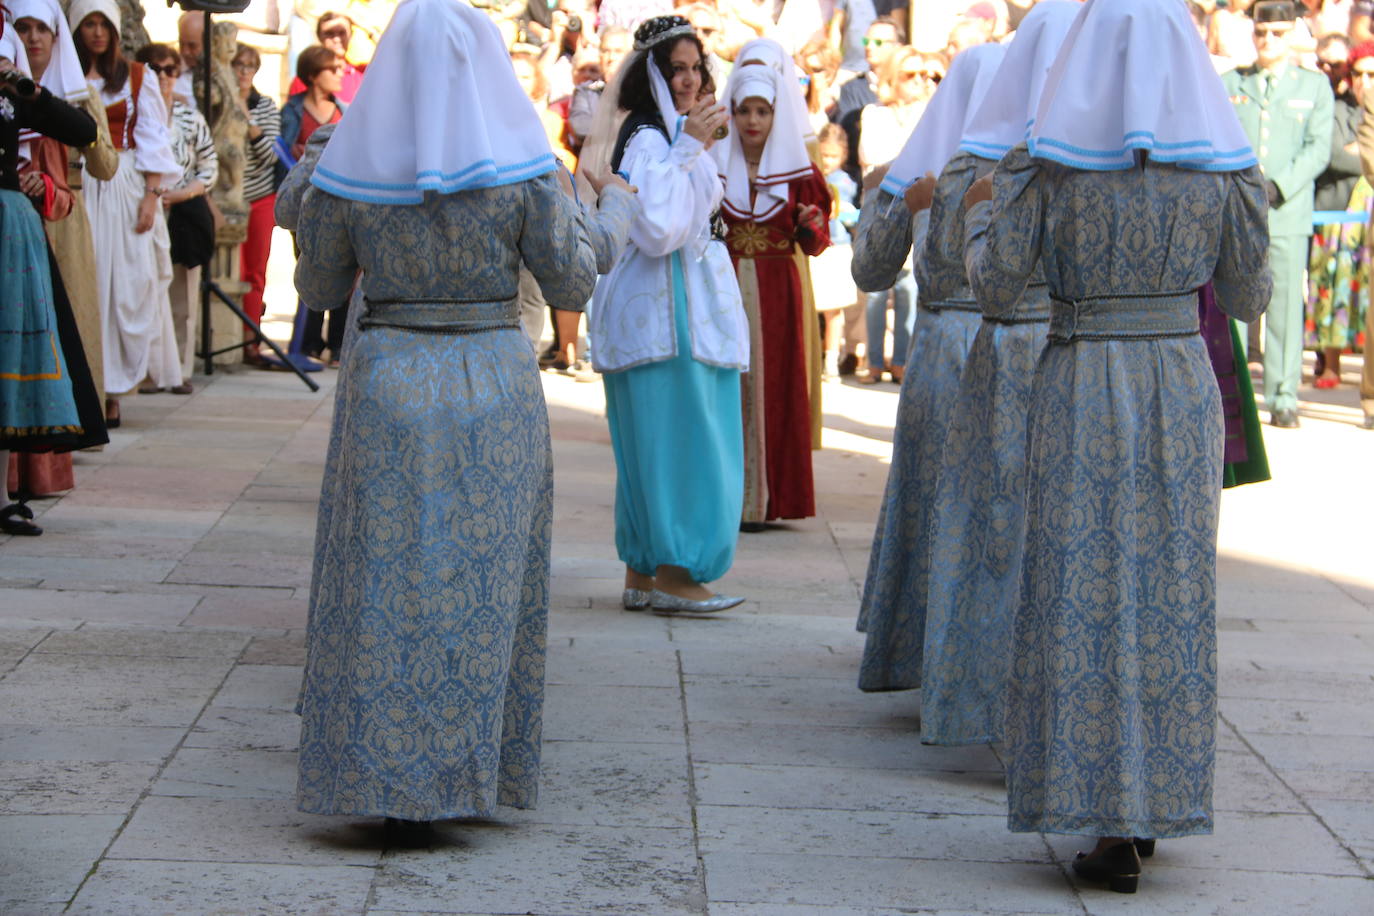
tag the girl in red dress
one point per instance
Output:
(776, 203)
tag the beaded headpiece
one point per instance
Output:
(660, 29)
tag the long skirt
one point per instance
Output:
(47, 401)
(679, 458)
(75, 253)
(1338, 277)
(978, 530)
(893, 608)
(1111, 718)
(424, 681)
(775, 392)
(133, 271)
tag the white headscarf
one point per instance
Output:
(441, 110)
(64, 77)
(784, 157)
(774, 55)
(935, 139)
(80, 9)
(1001, 121)
(1135, 76)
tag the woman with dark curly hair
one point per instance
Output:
(668, 330)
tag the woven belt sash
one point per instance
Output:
(1034, 307)
(440, 316)
(1138, 316)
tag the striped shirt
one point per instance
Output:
(193, 147)
(258, 177)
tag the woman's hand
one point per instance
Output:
(809, 217)
(147, 210)
(921, 194)
(875, 177)
(706, 115)
(980, 191)
(32, 185)
(600, 183)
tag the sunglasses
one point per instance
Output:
(923, 74)
(171, 70)
(876, 42)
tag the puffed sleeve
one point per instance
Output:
(328, 263)
(555, 244)
(287, 209)
(939, 265)
(881, 242)
(679, 189)
(609, 226)
(1002, 236)
(152, 141)
(1242, 279)
(813, 191)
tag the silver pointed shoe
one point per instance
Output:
(634, 599)
(662, 601)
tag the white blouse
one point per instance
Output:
(632, 321)
(152, 138)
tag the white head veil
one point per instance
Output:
(78, 10)
(935, 139)
(64, 77)
(1001, 121)
(1134, 75)
(784, 157)
(768, 51)
(440, 110)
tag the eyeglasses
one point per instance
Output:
(334, 33)
(1270, 31)
(244, 66)
(876, 42)
(169, 70)
(923, 74)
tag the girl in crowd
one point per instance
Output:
(259, 188)
(53, 185)
(906, 83)
(133, 266)
(977, 513)
(195, 153)
(42, 391)
(1131, 192)
(776, 202)
(320, 70)
(669, 333)
(431, 590)
(831, 279)
(892, 610)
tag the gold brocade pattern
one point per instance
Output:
(752, 240)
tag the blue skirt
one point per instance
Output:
(978, 528)
(678, 438)
(893, 611)
(37, 403)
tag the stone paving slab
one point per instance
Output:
(151, 647)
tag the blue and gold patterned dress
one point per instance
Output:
(423, 688)
(977, 515)
(893, 607)
(1111, 720)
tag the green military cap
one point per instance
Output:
(1274, 11)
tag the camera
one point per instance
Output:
(21, 84)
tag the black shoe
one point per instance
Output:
(1144, 847)
(849, 364)
(1284, 418)
(1117, 866)
(20, 526)
(409, 834)
(753, 527)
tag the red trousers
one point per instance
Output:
(254, 252)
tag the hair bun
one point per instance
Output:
(659, 29)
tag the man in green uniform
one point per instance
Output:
(1287, 114)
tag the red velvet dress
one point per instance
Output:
(776, 390)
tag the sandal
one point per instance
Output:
(21, 526)
(868, 378)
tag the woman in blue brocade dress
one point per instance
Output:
(1131, 193)
(894, 588)
(977, 508)
(423, 690)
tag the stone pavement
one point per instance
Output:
(151, 644)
